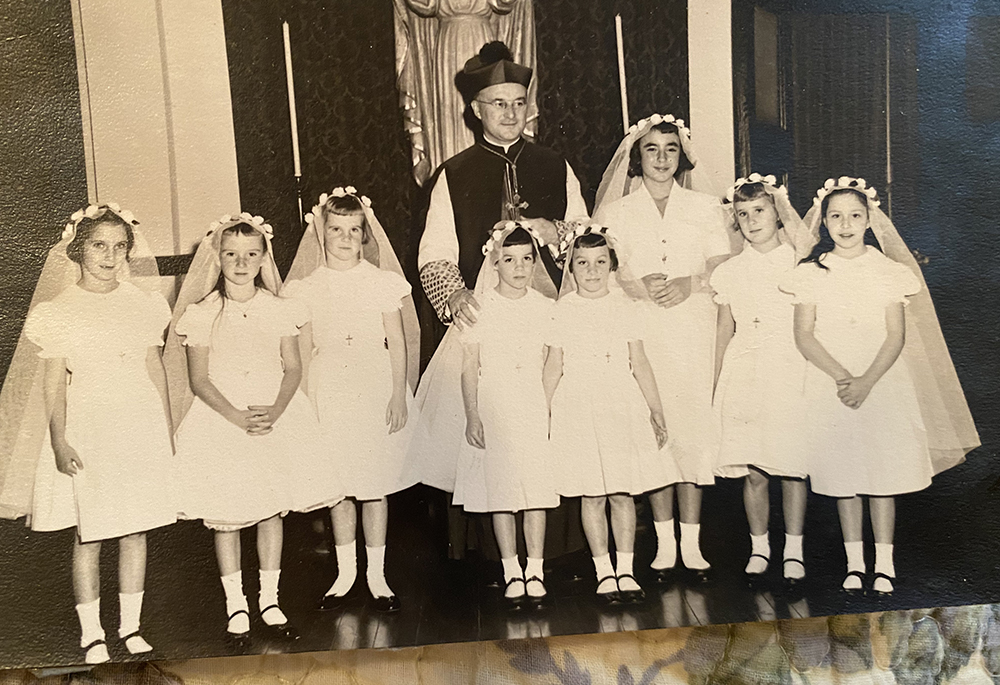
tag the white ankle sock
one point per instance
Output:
(130, 610)
(534, 569)
(602, 565)
(624, 568)
(793, 550)
(759, 544)
(855, 555)
(883, 559)
(666, 545)
(376, 572)
(511, 569)
(690, 547)
(855, 562)
(90, 622)
(269, 598)
(624, 563)
(236, 601)
(347, 569)
(793, 547)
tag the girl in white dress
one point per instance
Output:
(876, 427)
(671, 239)
(247, 436)
(758, 371)
(603, 398)
(504, 467)
(363, 343)
(92, 442)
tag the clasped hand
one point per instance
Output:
(256, 419)
(666, 292)
(853, 390)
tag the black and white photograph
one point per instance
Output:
(332, 325)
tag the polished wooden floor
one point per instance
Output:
(946, 555)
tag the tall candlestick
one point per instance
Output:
(291, 98)
(621, 72)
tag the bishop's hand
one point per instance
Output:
(463, 307)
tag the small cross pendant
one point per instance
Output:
(608, 357)
(348, 339)
(755, 322)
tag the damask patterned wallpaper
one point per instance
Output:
(350, 126)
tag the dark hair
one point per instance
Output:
(86, 227)
(239, 229)
(595, 240)
(826, 243)
(348, 205)
(519, 236)
(635, 154)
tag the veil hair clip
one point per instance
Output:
(496, 235)
(768, 180)
(94, 211)
(847, 183)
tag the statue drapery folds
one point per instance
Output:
(434, 38)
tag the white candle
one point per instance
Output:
(291, 98)
(621, 72)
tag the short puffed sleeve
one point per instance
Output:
(287, 315)
(196, 322)
(49, 330)
(390, 291)
(635, 318)
(556, 325)
(715, 232)
(802, 283)
(157, 318)
(302, 293)
(899, 282)
(722, 282)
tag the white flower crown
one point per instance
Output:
(847, 183)
(645, 124)
(92, 212)
(339, 191)
(497, 234)
(768, 180)
(243, 217)
(580, 230)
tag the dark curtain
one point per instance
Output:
(43, 174)
(838, 119)
(578, 93)
(350, 127)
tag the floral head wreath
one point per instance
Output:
(93, 212)
(227, 220)
(768, 180)
(497, 234)
(581, 230)
(846, 183)
(640, 127)
(339, 191)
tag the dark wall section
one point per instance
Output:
(579, 102)
(42, 167)
(350, 125)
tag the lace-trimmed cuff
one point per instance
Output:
(439, 280)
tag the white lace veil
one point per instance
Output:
(378, 251)
(793, 229)
(951, 432)
(24, 418)
(616, 183)
(621, 277)
(201, 279)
